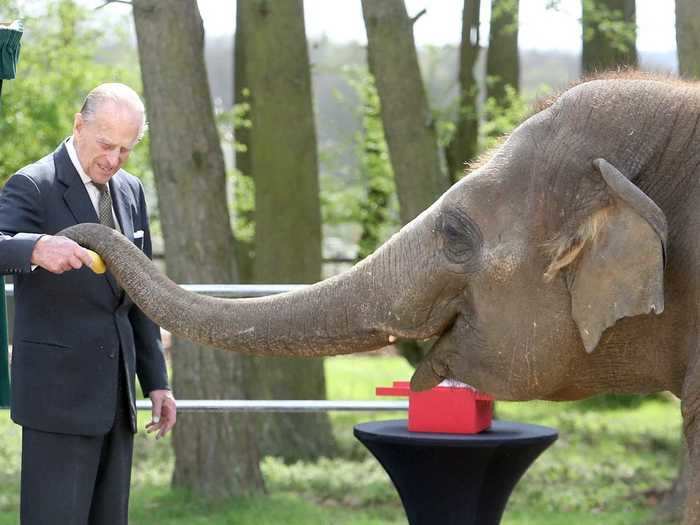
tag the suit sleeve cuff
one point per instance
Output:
(19, 258)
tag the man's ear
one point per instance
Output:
(77, 123)
(616, 270)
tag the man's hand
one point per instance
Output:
(59, 254)
(164, 412)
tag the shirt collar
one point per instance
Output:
(73, 154)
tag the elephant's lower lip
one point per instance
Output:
(453, 383)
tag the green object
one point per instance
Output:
(10, 36)
(4, 362)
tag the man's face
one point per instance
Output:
(104, 142)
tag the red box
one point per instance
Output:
(451, 409)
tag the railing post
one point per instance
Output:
(4, 361)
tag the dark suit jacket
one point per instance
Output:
(69, 328)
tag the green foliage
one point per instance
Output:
(372, 204)
(604, 460)
(553, 5)
(500, 119)
(331, 480)
(242, 204)
(507, 9)
(236, 118)
(617, 401)
(9, 10)
(158, 505)
(10, 449)
(379, 210)
(58, 66)
(356, 376)
(610, 23)
(243, 207)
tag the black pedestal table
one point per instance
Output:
(455, 479)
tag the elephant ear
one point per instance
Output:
(619, 271)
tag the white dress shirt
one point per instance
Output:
(92, 190)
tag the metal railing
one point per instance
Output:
(227, 291)
(253, 405)
(239, 291)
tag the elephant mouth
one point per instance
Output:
(447, 358)
(435, 366)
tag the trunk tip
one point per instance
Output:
(425, 377)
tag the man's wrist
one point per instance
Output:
(33, 261)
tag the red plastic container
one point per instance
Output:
(450, 409)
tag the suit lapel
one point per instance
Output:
(121, 199)
(76, 196)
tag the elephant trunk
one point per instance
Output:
(360, 310)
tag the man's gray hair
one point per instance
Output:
(119, 94)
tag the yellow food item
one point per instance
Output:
(98, 264)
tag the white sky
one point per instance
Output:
(341, 20)
(540, 28)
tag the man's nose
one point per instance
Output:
(113, 158)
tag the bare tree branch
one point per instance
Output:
(107, 2)
(415, 18)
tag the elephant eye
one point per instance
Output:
(462, 239)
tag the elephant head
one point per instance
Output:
(537, 273)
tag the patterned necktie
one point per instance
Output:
(104, 205)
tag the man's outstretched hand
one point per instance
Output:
(59, 254)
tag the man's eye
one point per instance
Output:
(106, 147)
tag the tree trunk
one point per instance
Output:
(464, 144)
(608, 45)
(409, 126)
(216, 455)
(670, 510)
(688, 37)
(283, 161)
(502, 60)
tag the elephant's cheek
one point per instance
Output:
(507, 370)
(486, 375)
(471, 361)
(503, 262)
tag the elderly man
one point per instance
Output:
(78, 339)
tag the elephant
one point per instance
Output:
(565, 264)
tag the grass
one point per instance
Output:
(609, 466)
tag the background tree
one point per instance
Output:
(502, 59)
(408, 123)
(284, 166)
(215, 454)
(464, 143)
(409, 127)
(688, 37)
(609, 30)
(670, 509)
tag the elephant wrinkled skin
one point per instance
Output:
(566, 265)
